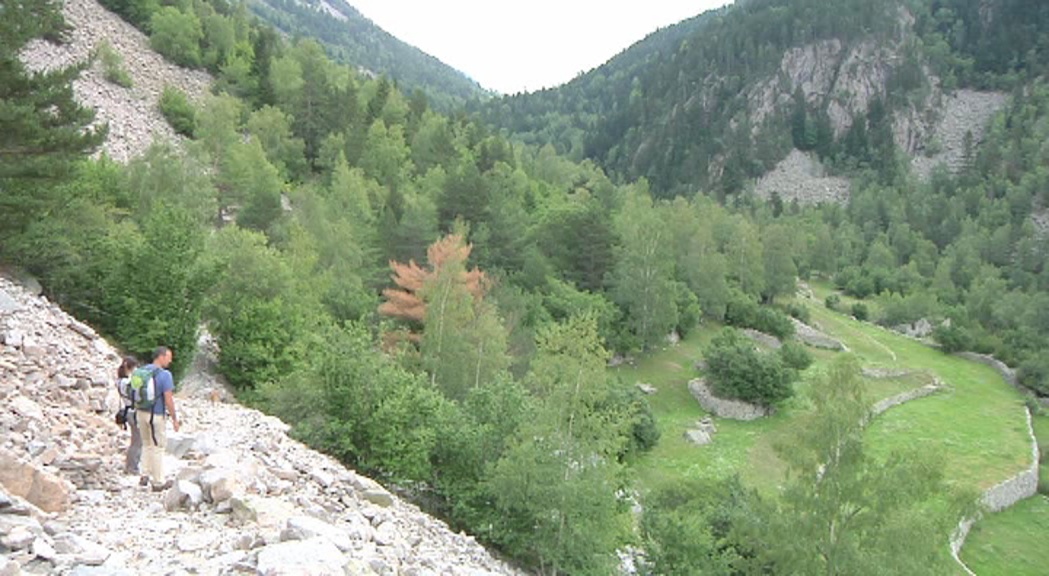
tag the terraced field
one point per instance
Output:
(977, 423)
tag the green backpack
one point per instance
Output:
(143, 388)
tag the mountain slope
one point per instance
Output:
(354, 39)
(249, 497)
(719, 99)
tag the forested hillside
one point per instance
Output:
(716, 100)
(351, 38)
(436, 303)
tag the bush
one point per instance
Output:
(742, 312)
(860, 312)
(1034, 374)
(795, 355)
(176, 36)
(832, 301)
(952, 338)
(798, 311)
(737, 370)
(113, 65)
(178, 111)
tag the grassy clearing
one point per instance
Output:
(978, 426)
(1013, 541)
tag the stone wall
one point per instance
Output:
(724, 408)
(808, 335)
(1007, 373)
(1001, 495)
(884, 404)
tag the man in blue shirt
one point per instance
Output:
(153, 424)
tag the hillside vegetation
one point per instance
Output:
(716, 100)
(436, 304)
(351, 38)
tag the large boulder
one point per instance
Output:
(313, 557)
(219, 484)
(183, 494)
(39, 487)
(306, 527)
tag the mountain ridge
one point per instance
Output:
(732, 91)
(351, 37)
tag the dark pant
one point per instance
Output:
(134, 450)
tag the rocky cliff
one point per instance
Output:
(248, 499)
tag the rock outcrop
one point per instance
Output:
(961, 117)
(812, 337)
(702, 432)
(132, 113)
(246, 497)
(762, 339)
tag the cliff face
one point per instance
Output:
(249, 499)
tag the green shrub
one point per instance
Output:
(952, 338)
(860, 312)
(176, 36)
(1034, 374)
(832, 301)
(742, 312)
(113, 65)
(178, 111)
(737, 370)
(795, 355)
(798, 311)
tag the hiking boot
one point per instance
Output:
(143, 480)
(164, 486)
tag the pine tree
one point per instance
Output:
(43, 131)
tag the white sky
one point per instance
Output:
(526, 45)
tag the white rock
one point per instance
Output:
(305, 528)
(194, 542)
(378, 496)
(42, 549)
(386, 534)
(9, 567)
(313, 557)
(218, 484)
(179, 443)
(323, 478)
(18, 538)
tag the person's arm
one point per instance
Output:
(169, 403)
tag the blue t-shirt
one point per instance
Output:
(164, 382)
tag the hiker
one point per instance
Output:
(127, 416)
(153, 421)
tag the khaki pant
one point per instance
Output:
(153, 452)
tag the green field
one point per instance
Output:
(977, 424)
(1013, 541)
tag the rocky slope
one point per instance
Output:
(132, 113)
(249, 499)
(801, 178)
